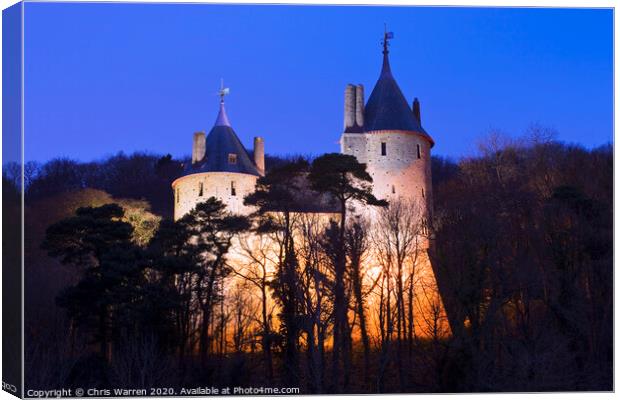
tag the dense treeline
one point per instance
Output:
(137, 176)
(524, 250)
(118, 295)
(140, 176)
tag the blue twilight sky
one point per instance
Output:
(102, 78)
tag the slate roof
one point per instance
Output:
(387, 107)
(222, 141)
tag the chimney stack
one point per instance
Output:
(259, 154)
(359, 106)
(199, 148)
(349, 107)
(416, 110)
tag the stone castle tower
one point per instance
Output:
(221, 167)
(387, 135)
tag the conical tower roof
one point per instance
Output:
(222, 141)
(387, 107)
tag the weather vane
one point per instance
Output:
(386, 37)
(224, 91)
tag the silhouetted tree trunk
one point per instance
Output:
(357, 246)
(347, 180)
(256, 273)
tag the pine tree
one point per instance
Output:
(277, 197)
(99, 245)
(344, 178)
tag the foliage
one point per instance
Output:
(277, 197)
(523, 236)
(138, 176)
(98, 243)
(189, 257)
(344, 177)
(521, 244)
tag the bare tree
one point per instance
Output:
(140, 363)
(357, 244)
(257, 249)
(398, 237)
(316, 283)
(242, 311)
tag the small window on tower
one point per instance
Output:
(383, 148)
(419, 153)
(232, 158)
(233, 189)
(422, 192)
(177, 195)
(393, 189)
(200, 189)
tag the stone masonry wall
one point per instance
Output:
(217, 184)
(401, 174)
(398, 173)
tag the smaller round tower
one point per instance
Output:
(220, 167)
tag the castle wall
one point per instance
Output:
(431, 319)
(399, 173)
(217, 184)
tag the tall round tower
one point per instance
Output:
(387, 136)
(221, 168)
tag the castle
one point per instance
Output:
(383, 133)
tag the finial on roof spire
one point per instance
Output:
(222, 118)
(385, 71)
(386, 39)
(224, 91)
